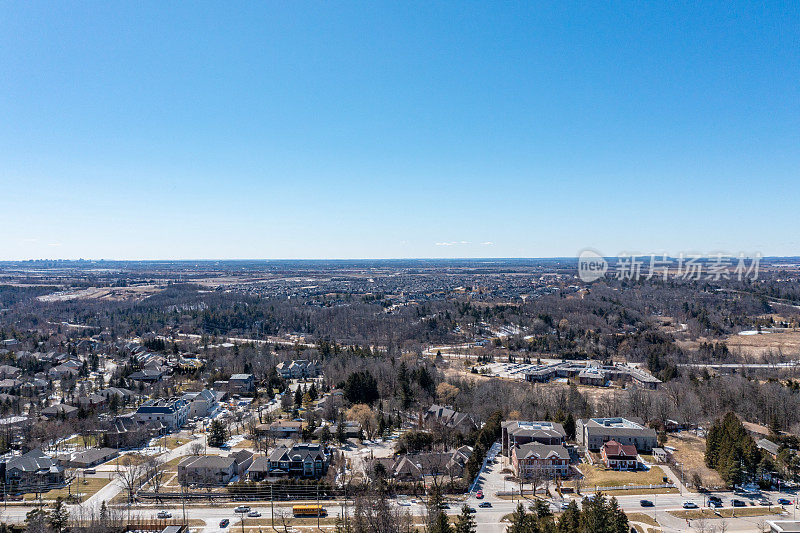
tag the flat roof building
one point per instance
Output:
(594, 432)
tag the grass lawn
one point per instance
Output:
(730, 512)
(643, 518)
(88, 487)
(640, 529)
(173, 463)
(79, 441)
(128, 459)
(171, 442)
(598, 476)
(690, 452)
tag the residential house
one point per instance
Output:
(125, 432)
(92, 457)
(281, 429)
(244, 458)
(8, 371)
(60, 411)
(302, 460)
(241, 384)
(68, 369)
(32, 471)
(298, 369)
(206, 470)
(418, 466)
(619, 456)
(258, 469)
(351, 430)
(35, 385)
(123, 395)
(10, 385)
(442, 416)
(147, 375)
(91, 401)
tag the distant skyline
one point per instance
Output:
(143, 130)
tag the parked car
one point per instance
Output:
(484, 505)
(715, 504)
(645, 503)
(784, 501)
(242, 509)
(404, 503)
(689, 505)
(253, 514)
(163, 515)
(765, 502)
(738, 503)
(479, 494)
(224, 522)
(90, 471)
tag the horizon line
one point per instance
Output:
(97, 260)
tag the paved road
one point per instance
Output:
(488, 519)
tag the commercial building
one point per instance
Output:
(172, 413)
(518, 432)
(592, 373)
(594, 432)
(540, 460)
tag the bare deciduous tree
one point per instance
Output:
(129, 471)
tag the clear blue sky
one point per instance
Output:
(357, 130)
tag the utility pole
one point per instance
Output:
(272, 507)
(183, 502)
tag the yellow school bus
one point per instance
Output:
(309, 510)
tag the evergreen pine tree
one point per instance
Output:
(59, 516)
(465, 523)
(570, 520)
